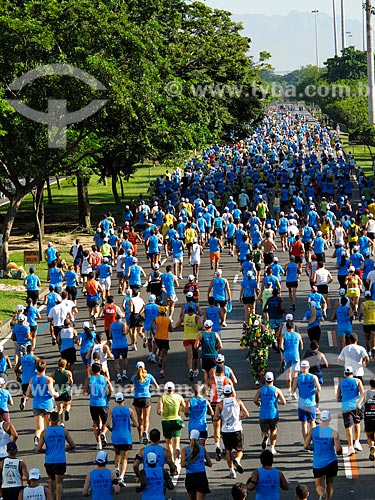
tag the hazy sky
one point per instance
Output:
(353, 8)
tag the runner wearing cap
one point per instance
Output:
(355, 356)
(93, 291)
(141, 385)
(267, 480)
(118, 331)
(170, 405)
(348, 392)
(215, 314)
(228, 372)
(215, 248)
(153, 478)
(54, 437)
(119, 421)
(290, 344)
(169, 296)
(21, 336)
(327, 445)
(344, 315)
(178, 247)
(191, 286)
(320, 301)
(35, 490)
(13, 472)
(313, 317)
(317, 361)
(353, 283)
(267, 399)
(197, 408)
(210, 343)
(367, 314)
(101, 481)
(220, 292)
(192, 323)
(195, 459)
(307, 385)
(85, 341)
(249, 293)
(231, 411)
(134, 274)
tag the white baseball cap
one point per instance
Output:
(348, 370)
(119, 396)
(194, 434)
(219, 271)
(169, 386)
(86, 324)
(269, 377)
(325, 415)
(289, 317)
(34, 474)
(191, 277)
(220, 358)
(208, 323)
(139, 365)
(228, 389)
(305, 364)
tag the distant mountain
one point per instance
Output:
(291, 38)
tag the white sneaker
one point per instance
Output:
(351, 451)
(196, 373)
(180, 276)
(358, 446)
(293, 396)
(99, 446)
(224, 324)
(232, 474)
(318, 411)
(273, 450)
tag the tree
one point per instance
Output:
(351, 65)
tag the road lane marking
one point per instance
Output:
(332, 339)
(350, 464)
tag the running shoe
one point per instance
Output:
(153, 359)
(232, 474)
(66, 415)
(53, 341)
(238, 466)
(264, 442)
(282, 366)
(117, 472)
(99, 446)
(358, 446)
(144, 438)
(22, 403)
(161, 374)
(224, 324)
(19, 378)
(118, 378)
(94, 321)
(351, 451)
(103, 439)
(144, 342)
(124, 376)
(36, 441)
(135, 348)
(218, 454)
(372, 454)
(273, 450)
(121, 482)
(191, 375)
(294, 396)
(318, 411)
(196, 373)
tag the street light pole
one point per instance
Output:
(316, 37)
(363, 30)
(342, 24)
(335, 28)
(370, 62)
(349, 35)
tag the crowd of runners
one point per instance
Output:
(287, 189)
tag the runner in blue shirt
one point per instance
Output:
(266, 480)
(101, 482)
(32, 284)
(290, 345)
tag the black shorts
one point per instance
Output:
(320, 257)
(269, 424)
(368, 328)
(329, 471)
(306, 245)
(219, 231)
(220, 303)
(57, 330)
(203, 435)
(136, 320)
(11, 493)
(208, 364)
(33, 295)
(268, 258)
(197, 482)
(350, 418)
(122, 447)
(292, 284)
(248, 300)
(99, 413)
(162, 344)
(314, 333)
(24, 388)
(369, 425)
(142, 402)
(33, 329)
(232, 440)
(54, 470)
(323, 289)
(65, 397)
(69, 354)
(72, 291)
(258, 267)
(92, 303)
(298, 259)
(230, 241)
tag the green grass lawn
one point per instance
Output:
(361, 154)
(65, 202)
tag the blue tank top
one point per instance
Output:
(268, 485)
(71, 278)
(283, 225)
(214, 245)
(51, 301)
(28, 368)
(135, 276)
(55, 276)
(198, 464)
(119, 340)
(306, 390)
(101, 484)
(268, 399)
(319, 245)
(219, 289)
(342, 316)
(42, 398)
(168, 282)
(4, 399)
(151, 312)
(104, 271)
(213, 314)
(32, 282)
(3, 364)
(198, 414)
(209, 345)
(121, 431)
(98, 391)
(55, 445)
(190, 304)
(291, 272)
(20, 332)
(291, 346)
(86, 341)
(67, 339)
(324, 449)
(51, 254)
(177, 248)
(349, 393)
(154, 475)
(153, 244)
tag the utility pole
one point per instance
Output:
(316, 12)
(363, 30)
(370, 62)
(335, 29)
(342, 25)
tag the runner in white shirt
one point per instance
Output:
(354, 355)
